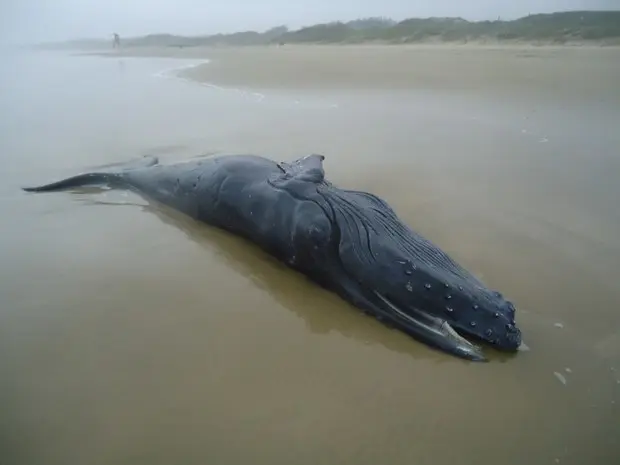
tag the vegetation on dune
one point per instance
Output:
(554, 27)
(563, 27)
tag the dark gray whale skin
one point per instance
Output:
(347, 241)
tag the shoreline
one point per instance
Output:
(198, 50)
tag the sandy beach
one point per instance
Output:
(131, 335)
(518, 69)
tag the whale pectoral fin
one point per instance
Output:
(418, 324)
(433, 331)
(308, 169)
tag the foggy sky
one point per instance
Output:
(38, 20)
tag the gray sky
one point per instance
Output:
(34, 20)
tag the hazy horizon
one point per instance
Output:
(38, 21)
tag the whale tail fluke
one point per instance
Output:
(112, 175)
(81, 180)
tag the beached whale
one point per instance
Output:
(347, 241)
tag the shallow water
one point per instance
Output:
(129, 334)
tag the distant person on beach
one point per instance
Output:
(117, 41)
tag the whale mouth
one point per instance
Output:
(433, 330)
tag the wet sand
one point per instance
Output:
(518, 69)
(129, 334)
